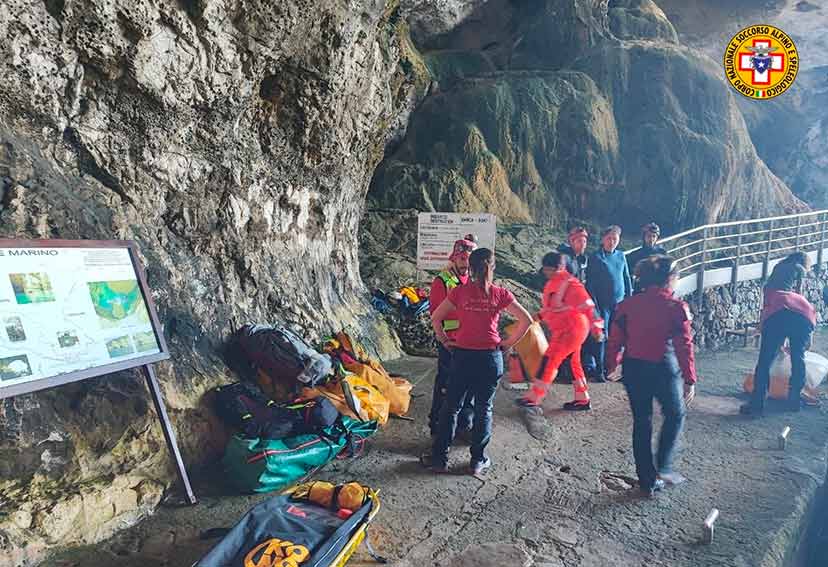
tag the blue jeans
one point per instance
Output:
(599, 350)
(473, 372)
(778, 327)
(644, 381)
(438, 396)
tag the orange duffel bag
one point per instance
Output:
(529, 350)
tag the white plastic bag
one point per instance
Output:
(816, 369)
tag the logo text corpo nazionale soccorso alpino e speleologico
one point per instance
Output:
(761, 61)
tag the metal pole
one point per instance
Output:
(169, 435)
(798, 231)
(700, 275)
(734, 278)
(766, 263)
(821, 244)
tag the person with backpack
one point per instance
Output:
(455, 274)
(477, 360)
(653, 329)
(608, 282)
(570, 312)
(650, 234)
(786, 314)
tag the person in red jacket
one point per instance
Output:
(455, 275)
(653, 328)
(569, 312)
(786, 314)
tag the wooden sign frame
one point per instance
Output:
(144, 361)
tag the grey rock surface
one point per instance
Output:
(233, 141)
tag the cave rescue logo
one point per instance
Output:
(761, 62)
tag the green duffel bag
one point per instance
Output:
(265, 465)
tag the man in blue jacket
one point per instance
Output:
(608, 282)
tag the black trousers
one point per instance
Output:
(782, 325)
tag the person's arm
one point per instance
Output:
(617, 339)
(437, 318)
(524, 320)
(628, 288)
(683, 344)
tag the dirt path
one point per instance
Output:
(565, 501)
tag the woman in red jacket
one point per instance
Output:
(653, 329)
(569, 312)
(786, 314)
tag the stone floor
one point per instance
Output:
(565, 501)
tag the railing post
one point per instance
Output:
(700, 275)
(766, 263)
(821, 244)
(798, 232)
(734, 278)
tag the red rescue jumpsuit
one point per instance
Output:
(569, 312)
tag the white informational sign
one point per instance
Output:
(66, 309)
(437, 232)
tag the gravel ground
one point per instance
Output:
(567, 500)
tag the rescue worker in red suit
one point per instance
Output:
(455, 274)
(653, 328)
(569, 312)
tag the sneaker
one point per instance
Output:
(526, 403)
(672, 478)
(479, 467)
(650, 491)
(751, 410)
(578, 405)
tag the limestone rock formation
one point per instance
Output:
(789, 131)
(234, 141)
(587, 109)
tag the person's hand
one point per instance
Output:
(689, 393)
(506, 345)
(600, 337)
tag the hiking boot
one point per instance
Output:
(526, 403)
(750, 410)
(672, 478)
(650, 491)
(427, 461)
(479, 467)
(578, 405)
(597, 377)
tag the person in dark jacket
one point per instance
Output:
(608, 282)
(577, 262)
(576, 252)
(786, 314)
(653, 328)
(650, 234)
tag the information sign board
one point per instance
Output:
(436, 233)
(70, 310)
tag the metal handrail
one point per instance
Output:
(752, 242)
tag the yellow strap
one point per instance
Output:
(451, 324)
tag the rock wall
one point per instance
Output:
(234, 141)
(789, 131)
(544, 111)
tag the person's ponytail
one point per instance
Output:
(480, 265)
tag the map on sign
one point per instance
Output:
(437, 232)
(68, 309)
